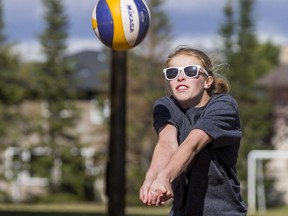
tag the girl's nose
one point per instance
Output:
(181, 75)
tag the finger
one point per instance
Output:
(152, 197)
(167, 196)
(157, 195)
(159, 201)
(143, 195)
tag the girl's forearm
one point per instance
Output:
(178, 163)
(185, 153)
(161, 157)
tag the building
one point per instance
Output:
(90, 76)
(276, 84)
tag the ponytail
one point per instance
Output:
(220, 85)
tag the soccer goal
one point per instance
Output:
(255, 174)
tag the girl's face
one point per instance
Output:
(189, 92)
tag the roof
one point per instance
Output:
(277, 78)
(90, 67)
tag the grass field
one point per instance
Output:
(282, 211)
(74, 210)
(97, 210)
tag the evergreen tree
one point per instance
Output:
(227, 31)
(248, 60)
(12, 91)
(158, 38)
(67, 175)
(145, 84)
(14, 126)
(11, 88)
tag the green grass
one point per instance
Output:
(74, 210)
(97, 210)
(282, 211)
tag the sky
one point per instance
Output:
(193, 22)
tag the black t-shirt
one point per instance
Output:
(209, 185)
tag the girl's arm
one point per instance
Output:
(185, 153)
(167, 144)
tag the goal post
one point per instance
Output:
(255, 158)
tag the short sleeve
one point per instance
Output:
(220, 119)
(165, 111)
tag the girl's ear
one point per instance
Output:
(208, 82)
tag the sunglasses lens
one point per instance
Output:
(171, 73)
(191, 71)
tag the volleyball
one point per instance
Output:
(121, 24)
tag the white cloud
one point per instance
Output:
(32, 51)
(29, 51)
(278, 39)
(201, 42)
(76, 45)
(191, 5)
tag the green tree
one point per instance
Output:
(11, 85)
(13, 92)
(248, 60)
(145, 84)
(227, 31)
(159, 36)
(66, 168)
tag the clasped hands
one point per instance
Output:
(156, 192)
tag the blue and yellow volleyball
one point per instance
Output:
(121, 24)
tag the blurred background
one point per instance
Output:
(54, 94)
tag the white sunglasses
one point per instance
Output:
(190, 71)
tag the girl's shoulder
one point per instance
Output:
(166, 101)
(163, 99)
(223, 99)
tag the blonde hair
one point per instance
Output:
(220, 83)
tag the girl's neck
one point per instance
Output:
(196, 103)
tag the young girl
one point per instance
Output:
(200, 173)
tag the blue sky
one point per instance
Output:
(194, 22)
